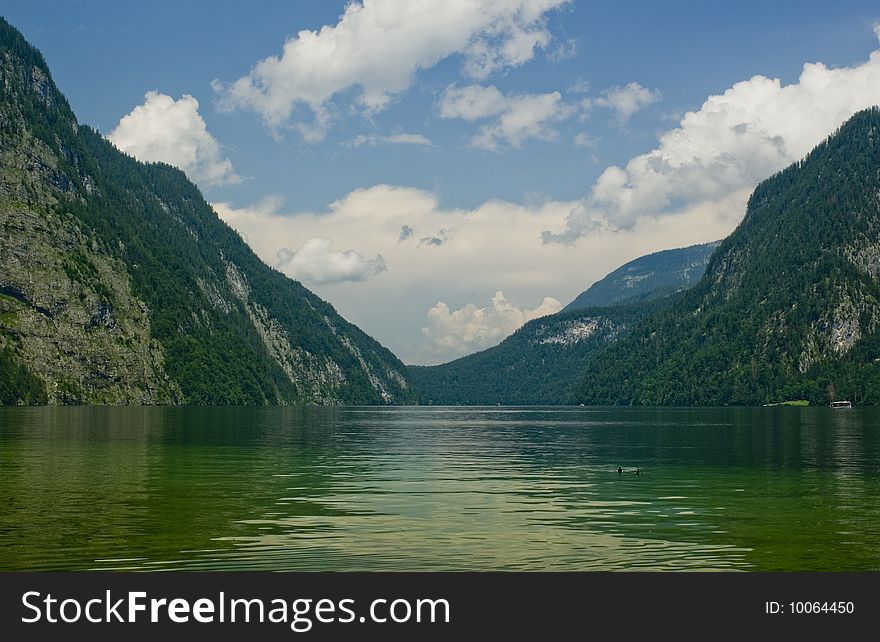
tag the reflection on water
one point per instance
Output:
(439, 489)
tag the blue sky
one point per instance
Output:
(504, 172)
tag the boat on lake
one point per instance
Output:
(841, 404)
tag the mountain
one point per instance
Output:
(538, 364)
(648, 277)
(119, 284)
(789, 306)
(542, 362)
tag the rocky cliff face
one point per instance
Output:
(65, 306)
(119, 284)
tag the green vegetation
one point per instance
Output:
(17, 384)
(789, 307)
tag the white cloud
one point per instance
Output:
(564, 50)
(583, 139)
(626, 100)
(316, 262)
(516, 118)
(471, 328)
(378, 47)
(495, 246)
(173, 132)
(579, 86)
(732, 142)
(472, 102)
(392, 139)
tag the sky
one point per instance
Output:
(443, 172)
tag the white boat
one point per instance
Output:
(841, 404)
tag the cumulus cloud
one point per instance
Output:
(392, 139)
(316, 262)
(496, 246)
(471, 328)
(515, 118)
(173, 132)
(736, 139)
(625, 101)
(377, 48)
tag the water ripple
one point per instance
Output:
(439, 489)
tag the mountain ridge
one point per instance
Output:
(789, 305)
(648, 277)
(542, 361)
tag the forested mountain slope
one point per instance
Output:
(789, 307)
(119, 284)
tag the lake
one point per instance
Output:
(439, 489)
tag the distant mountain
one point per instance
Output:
(538, 364)
(648, 277)
(789, 306)
(542, 362)
(119, 284)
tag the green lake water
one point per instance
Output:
(439, 489)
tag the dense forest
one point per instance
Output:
(17, 384)
(789, 307)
